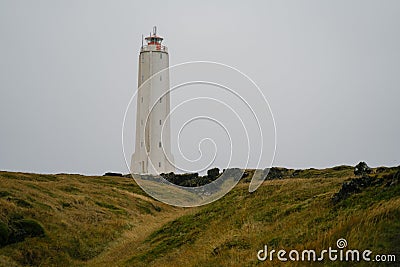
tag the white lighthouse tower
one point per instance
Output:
(152, 150)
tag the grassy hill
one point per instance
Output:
(75, 220)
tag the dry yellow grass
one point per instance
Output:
(109, 221)
(82, 215)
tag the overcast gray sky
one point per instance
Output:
(329, 69)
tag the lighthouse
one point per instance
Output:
(153, 131)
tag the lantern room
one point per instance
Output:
(153, 39)
(153, 43)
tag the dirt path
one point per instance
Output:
(130, 243)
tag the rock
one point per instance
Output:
(113, 174)
(273, 173)
(354, 186)
(212, 173)
(362, 169)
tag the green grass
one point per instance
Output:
(75, 220)
(293, 213)
(79, 215)
(182, 231)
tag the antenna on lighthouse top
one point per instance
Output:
(154, 30)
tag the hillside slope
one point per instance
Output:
(65, 220)
(81, 216)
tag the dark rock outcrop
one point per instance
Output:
(353, 186)
(357, 185)
(362, 169)
(191, 179)
(212, 173)
(113, 174)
